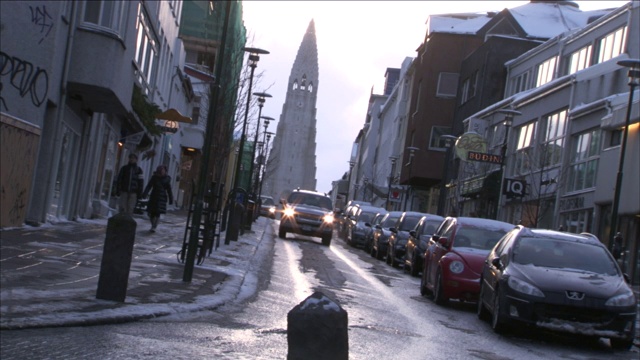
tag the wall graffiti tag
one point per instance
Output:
(41, 18)
(25, 78)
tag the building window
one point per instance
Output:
(104, 13)
(447, 84)
(520, 83)
(437, 142)
(553, 146)
(524, 149)
(577, 221)
(310, 87)
(295, 85)
(580, 59)
(146, 52)
(469, 88)
(585, 153)
(615, 138)
(611, 45)
(546, 71)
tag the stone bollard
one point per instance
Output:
(116, 258)
(317, 328)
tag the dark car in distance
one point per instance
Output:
(381, 234)
(560, 282)
(309, 213)
(400, 235)
(356, 226)
(369, 227)
(267, 207)
(418, 241)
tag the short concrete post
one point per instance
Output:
(116, 258)
(317, 329)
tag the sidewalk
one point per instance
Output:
(49, 274)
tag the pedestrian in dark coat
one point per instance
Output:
(129, 185)
(160, 187)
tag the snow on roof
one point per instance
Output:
(546, 20)
(468, 23)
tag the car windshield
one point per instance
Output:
(553, 253)
(310, 200)
(389, 221)
(477, 238)
(267, 201)
(409, 223)
(365, 217)
(430, 227)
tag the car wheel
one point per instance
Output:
(326, 240)
(483, 314)
(379, 255)
(414, 266)
(282, 234)
(498, 323)
(424, 291)
(621, 344)
(438, 293)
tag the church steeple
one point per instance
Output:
(292, 160)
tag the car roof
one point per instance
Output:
(481, 222)
(368, 208)
(433, 216)
(559, 235)
(309, 192)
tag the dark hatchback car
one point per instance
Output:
(557, 281)
(381, 234)
(356, 226)
(307, 213)
(369, 227)
(418, 241)
(400, 235)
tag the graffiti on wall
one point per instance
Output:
(23, 76)
(41, 18)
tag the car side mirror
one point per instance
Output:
(435, 237)
(367, 224)
(378, 227)
(412, 233)
(442, 241)
(496, 263)
(393, 230)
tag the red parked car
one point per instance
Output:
(455, 256)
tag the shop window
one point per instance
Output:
(577, 221)
(585, 154)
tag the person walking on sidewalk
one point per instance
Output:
(160, 187)
(129, 185)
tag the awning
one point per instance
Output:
(173, 115)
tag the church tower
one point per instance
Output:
(292, 160)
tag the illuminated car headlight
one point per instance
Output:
(626, 299)
(524, 287)
(456, 267)
(272, 210)
(288, 212)
(328, 218)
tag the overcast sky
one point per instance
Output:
(357, 42)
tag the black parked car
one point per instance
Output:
(399, 236)
(558, 281)
(369, 227)
(418, 241)
(356, 226)
(381, 234)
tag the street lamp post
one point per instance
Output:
(351, 164)
(232, 233)
(412, 151)
(263, 151)
(393, 167)
(634, 76)
(261, 99)
(442, 198)
(266, 152)
(508, 122)
(365, 182)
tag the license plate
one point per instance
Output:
(307, 228)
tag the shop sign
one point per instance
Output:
(483, 157)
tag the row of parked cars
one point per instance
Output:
(516, 275)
